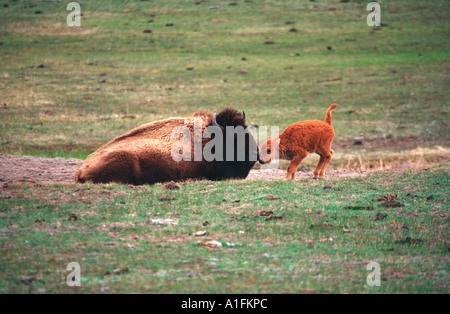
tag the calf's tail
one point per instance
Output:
(328, 114)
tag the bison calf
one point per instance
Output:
(300, 139)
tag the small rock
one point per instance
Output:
(164, 222)
(73, 217)
(266, 213)
(211, 244)
(380, 216)
(392, 204)
(171, 186)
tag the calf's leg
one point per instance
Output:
(292, 168)
(327, 159)
(319, 167)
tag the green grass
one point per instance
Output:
(395, 76)
(120, 250)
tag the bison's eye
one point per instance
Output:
(269, 151)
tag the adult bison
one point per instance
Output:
(201, 146)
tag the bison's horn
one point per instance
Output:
(243, 114)
(214, 122)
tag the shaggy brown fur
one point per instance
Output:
(143, 155)
(300, 139)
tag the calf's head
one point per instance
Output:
(269, 151)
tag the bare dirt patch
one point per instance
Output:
(15, 170)
(19, 169)
(279, 174)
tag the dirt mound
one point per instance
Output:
(15, 169)
(37, 170)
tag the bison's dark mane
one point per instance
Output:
(230, 117)
(227, 117)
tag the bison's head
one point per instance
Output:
(239, 150)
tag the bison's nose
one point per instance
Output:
(261, 162)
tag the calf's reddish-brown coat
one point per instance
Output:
(300, 139)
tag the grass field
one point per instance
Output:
(65, 91)
(315, 245)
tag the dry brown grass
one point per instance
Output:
(417, 158)
(48, 29)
